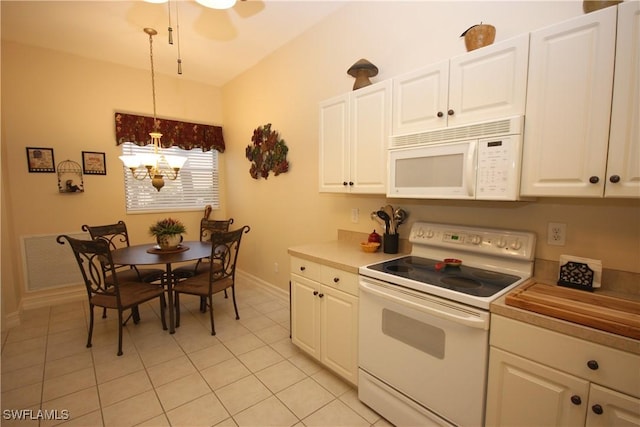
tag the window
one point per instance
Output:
(195, 187)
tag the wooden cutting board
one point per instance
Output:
(607, 313)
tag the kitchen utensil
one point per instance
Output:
(387, 220)
(375, 217)
(400, 215)
(388, 209)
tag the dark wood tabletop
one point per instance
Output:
(138, 255)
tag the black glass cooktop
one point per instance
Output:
(465, 279)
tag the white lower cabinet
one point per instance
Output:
(324, 315)
(538, 377)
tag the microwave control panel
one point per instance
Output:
(498, 173)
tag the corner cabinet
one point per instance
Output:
(324, 315)
(354, 131)
(569, 118)
(484, 84)
(538, 377)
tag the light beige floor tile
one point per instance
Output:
(76, 404)
(93, 419)
(62, 385)
(19, 347)
(243, 344)
(272, 334)
(257, 323)
(159, 421)
(305, 397)
(229, 329)
(229, 422)
(181, 391)
(133, 411)
(203, 411)
(195, 339)
(269, 412)
(331, 382)
(335, 414)
(124, 387)
(280, 316)
(170, 370)
(68, 364)
(22, 397)
(62, 350)
(260, 358)
(350, 398)
(112, 368)
(67, 325)
(242, 394)
(285, 347)
(24, 332)
(21, 417)
(210, 356)
(157, 355)
(224, 373)
(75, 336)
(271, 306)
(23, 360)
(22, 377)
(280, 376)
(305, 363)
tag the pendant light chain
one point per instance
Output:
(178, 37)
(153, 80)
(170, 29)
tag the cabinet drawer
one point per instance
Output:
(596, 363)
(304, 268)
(339, 279)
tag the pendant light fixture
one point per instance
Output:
(154, 165)
(217, 4)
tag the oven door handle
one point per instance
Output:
(468, 320)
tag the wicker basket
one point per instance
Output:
(479, 36)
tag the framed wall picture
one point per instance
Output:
(93, 163)
(40, 159)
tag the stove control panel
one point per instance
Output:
(489, 241)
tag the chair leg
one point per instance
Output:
(225, 294)
(163, 304)
(90, 325)
(235, 306)
(176, 302)
(203, 304)
(136, 314)
(213, 326)
(119, 332)
(104, 313)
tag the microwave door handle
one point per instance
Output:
(470, 169)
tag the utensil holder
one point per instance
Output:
(390, 243)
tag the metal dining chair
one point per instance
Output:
(207, 228)
(103, 284)
(225, 247)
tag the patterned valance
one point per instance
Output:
(132, 128)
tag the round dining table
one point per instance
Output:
(147, 254)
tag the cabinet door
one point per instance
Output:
(334, 145)
(568, 107)
(608, 408)
(489, 83)
(370, 118)
(420, 100)
(339, 324)
(305, 315)
(524, 393)
(623, 167)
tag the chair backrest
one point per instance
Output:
(210, 226)
(225, 247)
(96, 265)
(114, 234)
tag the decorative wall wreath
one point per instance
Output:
(267, 153)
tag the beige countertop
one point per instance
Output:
(562, 326)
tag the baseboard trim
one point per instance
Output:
(53, 297)
(246, 278)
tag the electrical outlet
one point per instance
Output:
(556, 233)
(355, 215)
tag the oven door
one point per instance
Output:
(444, 171)
(421, 349)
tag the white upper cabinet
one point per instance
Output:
(483, 84)
(623, 165)
(568, 107)
(354, 132)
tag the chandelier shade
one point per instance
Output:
(217, 4)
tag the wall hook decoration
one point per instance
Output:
(70, 177)
(267, 153)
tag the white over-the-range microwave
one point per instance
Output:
(479, 161)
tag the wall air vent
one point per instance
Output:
(508, 126)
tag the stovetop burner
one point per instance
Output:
(464, 279)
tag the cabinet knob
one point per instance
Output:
(345, 183)
(321, 295)
(450, 112)
(303, 268)
(440, 114)
(336, 279)
(594, 179)
(614, 178)
(351, 183)
(597, 409)
(315, 292)
(593, 365)
(575, 399)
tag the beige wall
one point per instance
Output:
(398, 37)
(68, 103)
(60, 101)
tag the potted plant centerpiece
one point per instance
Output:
(168, 233)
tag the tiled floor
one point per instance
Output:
(249, 374)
